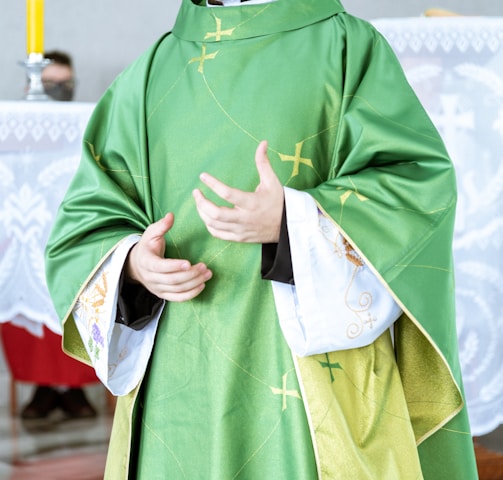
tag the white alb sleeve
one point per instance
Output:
(119, 354)
(337, 302)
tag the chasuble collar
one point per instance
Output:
(199, 23)
(233, 3)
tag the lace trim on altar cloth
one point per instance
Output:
(35, 126)
(461, 34)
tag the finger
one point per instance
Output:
(175, 276)
(167, 266)
(158, 229)
(264, 167)
(231, 195)
(184, 287)
(211, 213)
(183, 296)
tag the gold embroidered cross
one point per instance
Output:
(203, 58)
(348, 193)
(218, 34)
(296, 159)
(283, 391)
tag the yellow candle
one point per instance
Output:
(35, 26)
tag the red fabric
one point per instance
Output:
(41, 360)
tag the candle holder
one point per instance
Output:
(34, 65)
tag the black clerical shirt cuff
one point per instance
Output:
(136, 306)
(276, 257)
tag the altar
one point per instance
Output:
(40, 144)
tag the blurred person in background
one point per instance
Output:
(58, 77)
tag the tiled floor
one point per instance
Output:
(76, 449)
(57, 450)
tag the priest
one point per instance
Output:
(255, 255)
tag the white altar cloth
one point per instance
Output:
(40, 144)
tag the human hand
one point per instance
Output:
(255, 216)
(170, 279)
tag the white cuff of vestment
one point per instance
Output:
(337, 302)
(118, 353)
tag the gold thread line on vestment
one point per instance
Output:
(253, 137)
(460, 432)
(246, 132)
(157, 204)
(220, 106)
(127, 198)
(232, 361)
(246, 372)
(97, 159)
(430, 402)
(260, 447)
(225, 355)
(422, 212)
(210, 260)
(163, 98)
(348, 192)
(379, 114)
(423, 267)
(153, 433)
(219, 253)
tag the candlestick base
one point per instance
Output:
(34, 65)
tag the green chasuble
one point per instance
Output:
(223, 397)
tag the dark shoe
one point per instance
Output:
(44, 401)
(75, 404)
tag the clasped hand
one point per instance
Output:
(255, 217)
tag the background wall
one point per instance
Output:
(104, 36)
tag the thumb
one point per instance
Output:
(263, 164)
(160, 228)
(156, 231)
